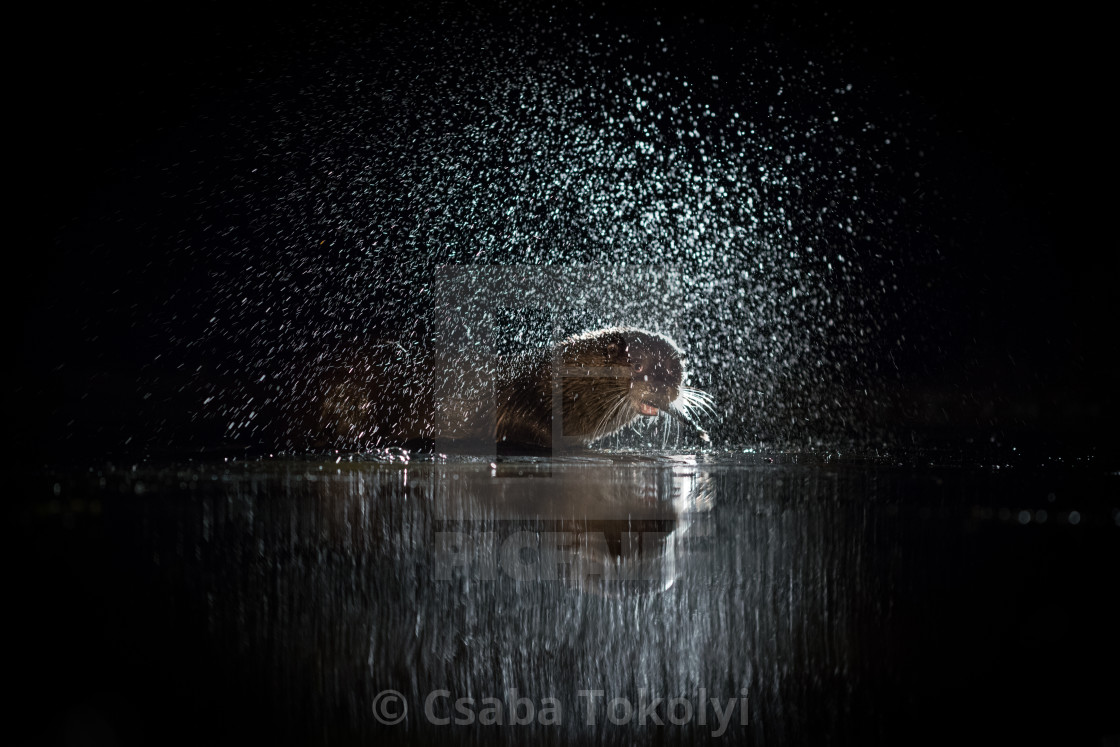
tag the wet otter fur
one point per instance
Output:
(599, 382)
(607, 378)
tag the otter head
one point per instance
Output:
(614, 376)
(655, 371)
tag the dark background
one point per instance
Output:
(1014, 330)
(1012, 326)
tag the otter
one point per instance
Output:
(599, 382)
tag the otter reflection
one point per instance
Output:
(600, 530)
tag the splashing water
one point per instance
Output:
(744, 208)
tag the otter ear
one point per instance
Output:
(616, 348)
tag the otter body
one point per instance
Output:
(597, 382)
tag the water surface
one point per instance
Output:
(817, 598)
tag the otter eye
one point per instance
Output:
(639, 367)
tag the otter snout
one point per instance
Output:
(649, 398)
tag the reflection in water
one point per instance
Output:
(766, 593)
(598, 528)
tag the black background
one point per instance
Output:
(1024, 314)
(1023, 305)
(1017, 322)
